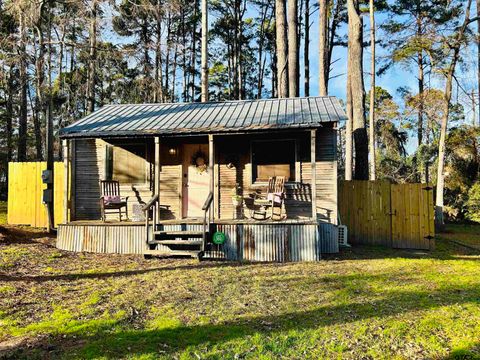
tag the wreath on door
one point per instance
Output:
(199, 160)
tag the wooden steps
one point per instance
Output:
(191, 253)
(179, 233)
(176, 243)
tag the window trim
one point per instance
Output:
(253, 182)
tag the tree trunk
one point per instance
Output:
(306, 52)
(204, 51)
(322, 49)
(158, 93)
(292, 48)
(92, 58)
(478, 59)
(372, 94)
(355, 40)
(332, 29)
(184, 58)
(193, 55)
(349, 125)
(167, 57)
(439, 221)
(22, 122)
(9, 114)
(282, 48)
(39, 86)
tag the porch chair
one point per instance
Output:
(111, 200)
(273, 200)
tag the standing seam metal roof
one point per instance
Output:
(211, 117)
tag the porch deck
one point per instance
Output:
(190, 221)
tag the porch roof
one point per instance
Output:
(210, 117)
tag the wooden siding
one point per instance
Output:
(89, 166)
(89, 169)
(298, 193)
(170, 182)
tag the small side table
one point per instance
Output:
(138, 213)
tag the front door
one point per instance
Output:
(196, 180)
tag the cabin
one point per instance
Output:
(196, 179)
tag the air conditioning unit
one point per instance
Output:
(343, 236)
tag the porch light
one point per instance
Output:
(172, 151)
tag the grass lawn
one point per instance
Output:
(365, 303)
(3, 212)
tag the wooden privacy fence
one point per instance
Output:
(25, 191)
(394, 215)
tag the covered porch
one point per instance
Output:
(185, 186)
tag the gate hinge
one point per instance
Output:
(429, 237)
(427, 188)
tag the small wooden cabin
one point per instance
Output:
(180, 165)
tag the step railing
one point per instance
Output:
(206, 219)
(151, 203)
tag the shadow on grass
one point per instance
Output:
(445, 250)
(113, 274)
(21, 235)
(116, 340)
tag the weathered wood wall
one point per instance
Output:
(89, 169)
(25, 190)
(393, 215)
(298, 194)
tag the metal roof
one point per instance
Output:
(209, 117)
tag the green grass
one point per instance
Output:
(3, 212)
(465, 234)
(367, 302)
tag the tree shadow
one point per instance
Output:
(116, 342)
(114, 274)
(21, 235)
(444, 251)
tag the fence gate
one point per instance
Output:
(412, 216)
(394, 215)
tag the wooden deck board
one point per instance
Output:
(193, 221)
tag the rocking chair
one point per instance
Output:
(273, 200)
(111, 200)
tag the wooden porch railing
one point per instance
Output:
(206, 218)
(151, 203)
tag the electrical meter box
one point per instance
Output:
(47, 196)
(47, 176)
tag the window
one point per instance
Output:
(127, 163)
(273, 158)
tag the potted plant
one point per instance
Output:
(237, 200)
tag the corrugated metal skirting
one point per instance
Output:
(244, 242)
(120, 239)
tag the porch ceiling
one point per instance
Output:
(204, 118)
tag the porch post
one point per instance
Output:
(313, 138)
(211, 162)
(156, 183)
(65, 180)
